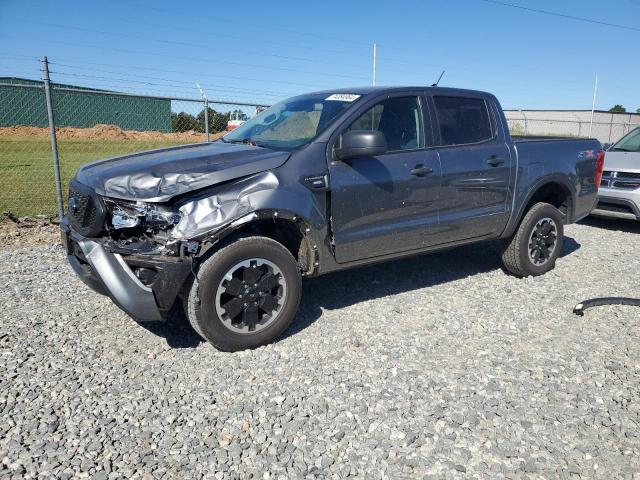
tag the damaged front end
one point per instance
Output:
(139, 227)
(141, 253)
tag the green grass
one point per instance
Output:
(26, 168)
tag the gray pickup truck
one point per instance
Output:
(318, 183)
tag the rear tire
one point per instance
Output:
(537, 243)
(245, 295)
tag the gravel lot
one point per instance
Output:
(442, 366)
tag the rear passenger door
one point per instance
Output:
(476, 167)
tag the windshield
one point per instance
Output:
(629, 143)
(293, 122)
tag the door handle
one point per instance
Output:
(420, 170)
(494, 161)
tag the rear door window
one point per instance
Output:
(462, 120)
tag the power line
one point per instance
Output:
(198, 59)
(195, 75)
(174, 27)
(174, 13)
(217, 34)
(105, 88)
(262, 53)
(93, 69)
(155, 84)
(17, 55)
(180, 43)
(562, 15)
(381, 69)
(114, 84)
(171, 83)
(192, 30)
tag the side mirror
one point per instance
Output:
(362, 143)
(606, 146)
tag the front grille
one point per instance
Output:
(633, 175)
(621, 180)
(630, 185)
(81, 208)
(621, 175)
(86, 210)
(614, 207)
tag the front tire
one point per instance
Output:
(536, 245)
(245, 295)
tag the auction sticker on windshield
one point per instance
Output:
(343, 97)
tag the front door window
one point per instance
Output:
(399, 119)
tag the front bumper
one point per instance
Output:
(618, 203)
(112, 274)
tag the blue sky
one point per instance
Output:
(264, 51)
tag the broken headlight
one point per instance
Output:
(126, 214)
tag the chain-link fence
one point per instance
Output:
(607, 127)
(90, 124)
(93, 123)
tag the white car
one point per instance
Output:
(619, 194)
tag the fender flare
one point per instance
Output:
(560, 179)
(310, 236)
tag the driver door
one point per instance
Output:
(387, 203)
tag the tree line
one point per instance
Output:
(184, 122)
(620, 109)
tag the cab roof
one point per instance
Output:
(383, 89)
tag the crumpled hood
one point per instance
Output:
(159, 175)
(622, 161)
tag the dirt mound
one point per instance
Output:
(24, 131)
(26, 231)
(105, 132)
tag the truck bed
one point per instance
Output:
(557, 159)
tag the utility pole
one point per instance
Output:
(593, 105)
(206, 112)
(52, 134)
(375, 50)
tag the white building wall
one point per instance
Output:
(607, 127)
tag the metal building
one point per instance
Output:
(21, 103)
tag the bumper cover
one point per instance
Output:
(109, 274)
(628, 203)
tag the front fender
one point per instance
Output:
(247, 199)
(214, 216)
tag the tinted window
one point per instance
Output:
(400, 119)
(462, 120)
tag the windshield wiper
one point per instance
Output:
(244, 141)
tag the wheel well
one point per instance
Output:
(555, 194)
(287, 232)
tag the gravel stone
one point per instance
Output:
(441, 366)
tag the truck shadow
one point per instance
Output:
(176, 330)
(342, 289)
(349, 287)
(613, 224)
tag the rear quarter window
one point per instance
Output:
(462, 120)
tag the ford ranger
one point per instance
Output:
(314, 184)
